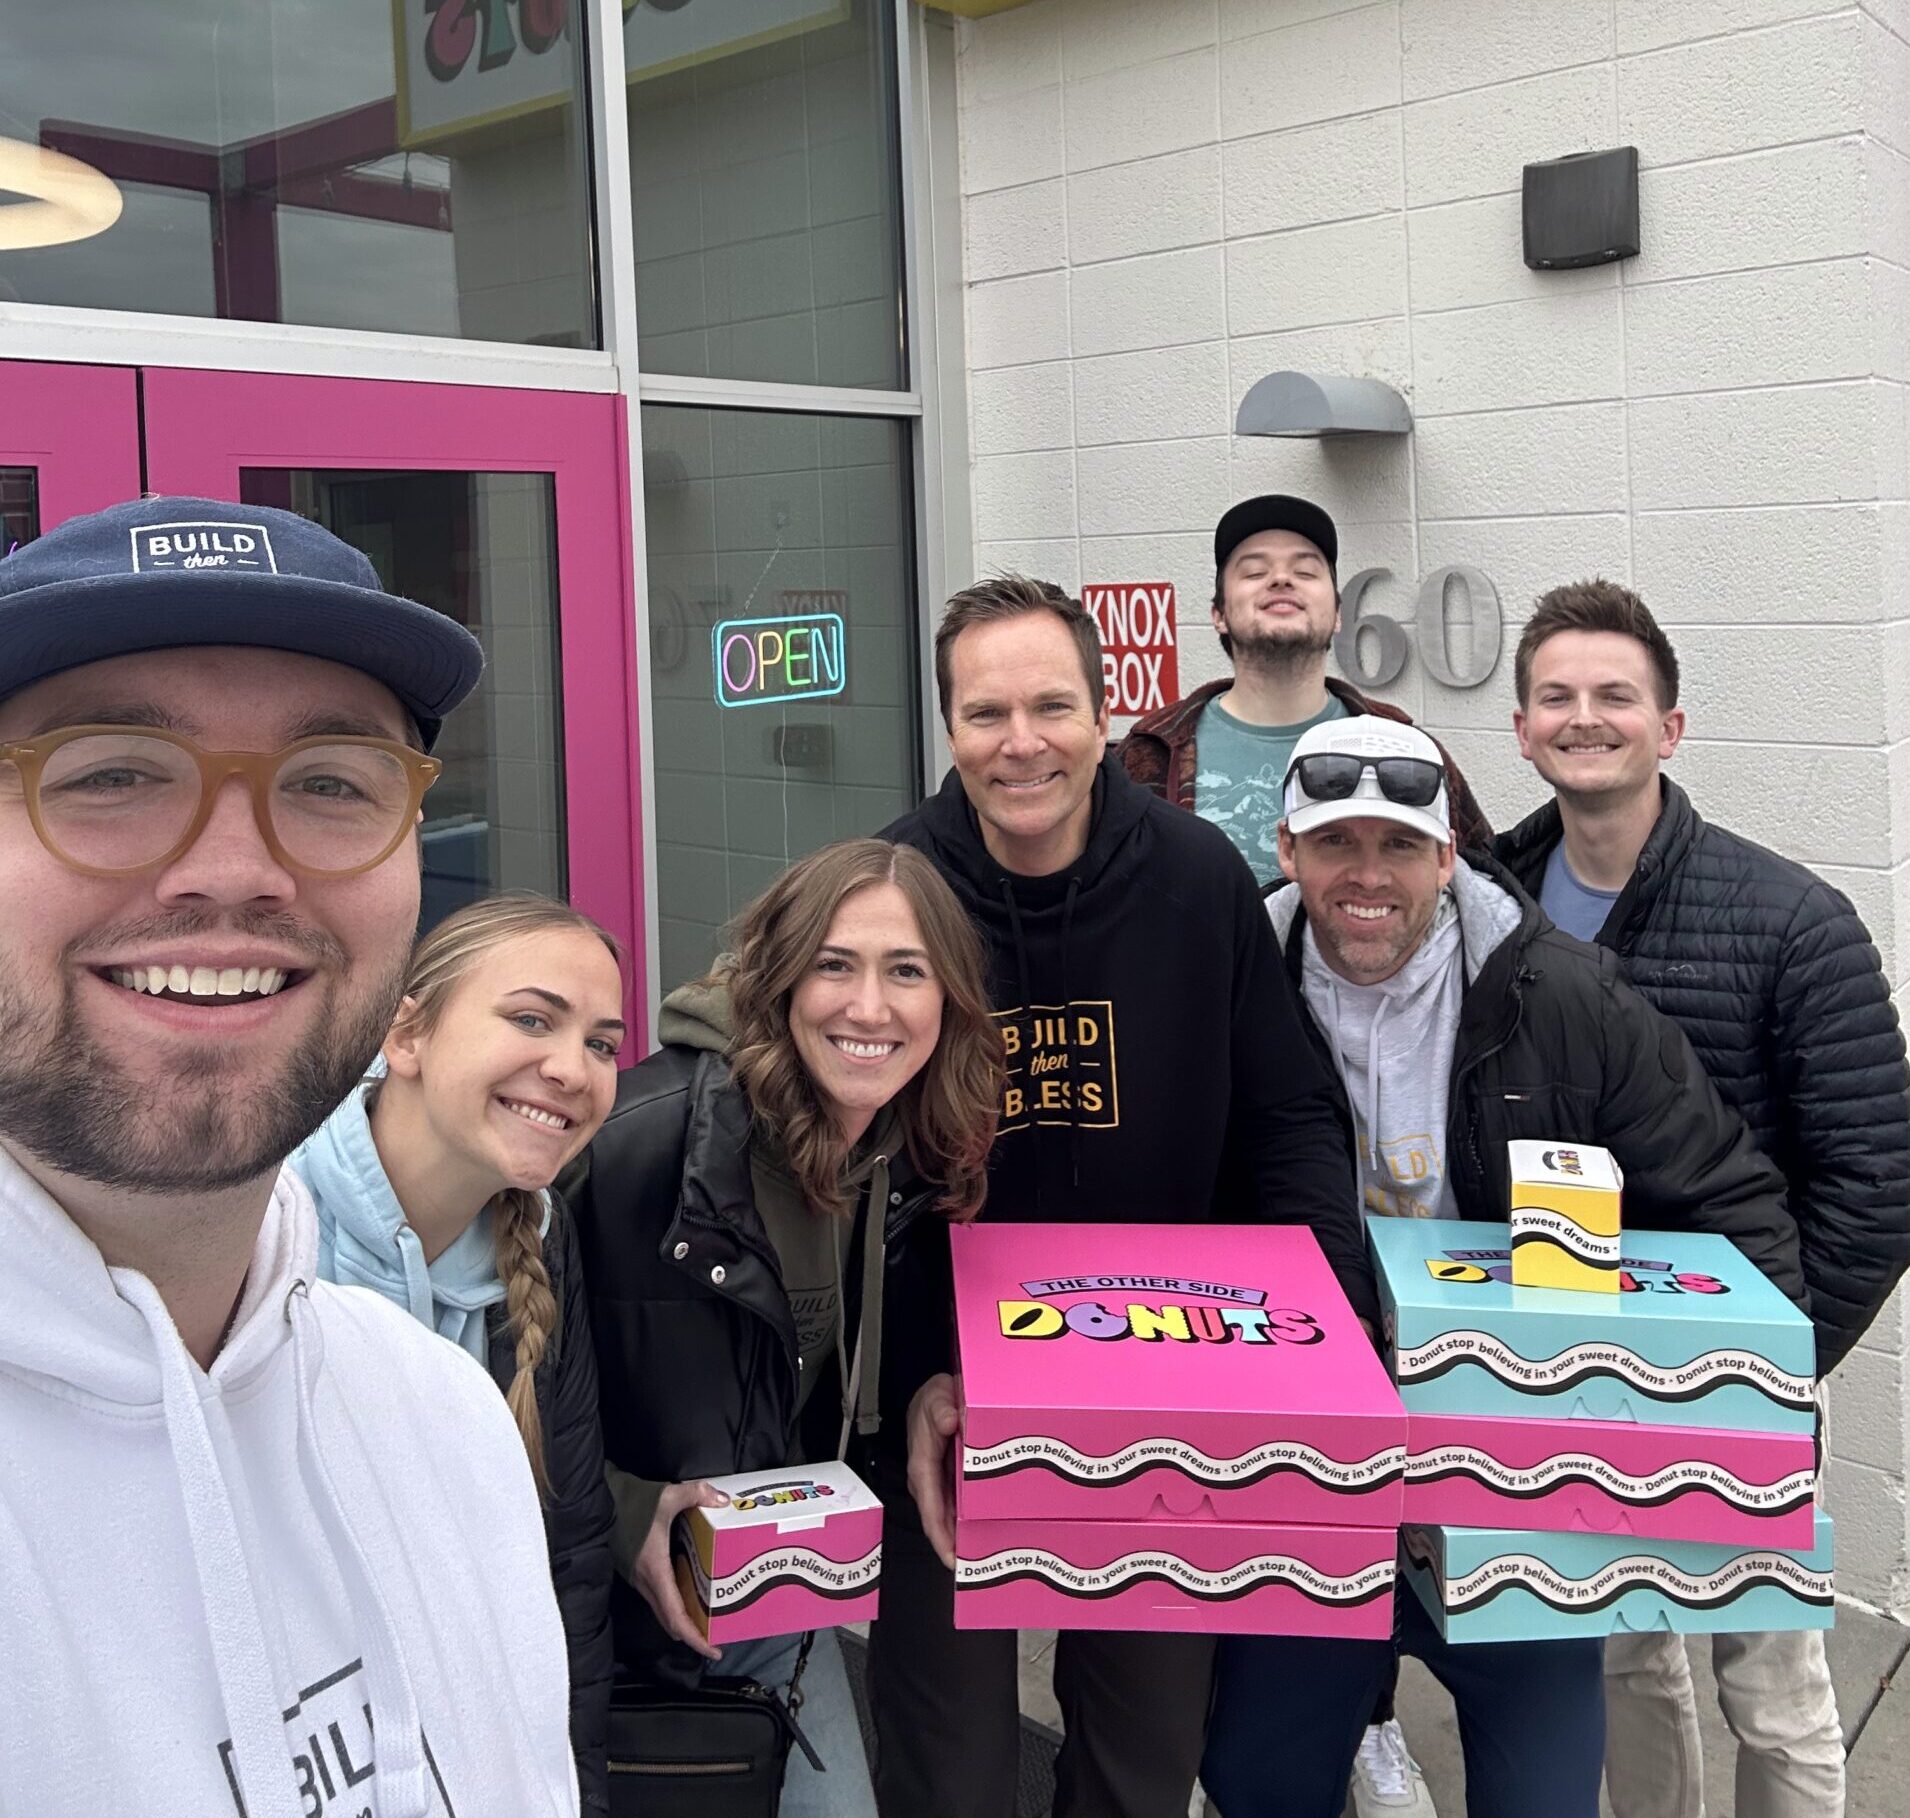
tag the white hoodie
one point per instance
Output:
(216, 1587)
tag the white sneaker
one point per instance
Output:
(1387, 1782)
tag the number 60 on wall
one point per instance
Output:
(1479, 611)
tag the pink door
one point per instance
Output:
(69, 443)
(506, 509)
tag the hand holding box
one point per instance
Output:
(791, 1550)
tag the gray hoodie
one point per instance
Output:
(1393, 1042)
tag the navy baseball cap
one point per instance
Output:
(1275, 511)
(155, 574)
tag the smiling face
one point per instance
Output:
(1277, 600)
(1026, 739)
(195, 1086)
(1591, 724)
(867, 1015)
(518, 1071)
(1370, 888)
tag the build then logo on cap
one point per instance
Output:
(202, 545)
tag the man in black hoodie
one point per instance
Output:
(1152, 1079)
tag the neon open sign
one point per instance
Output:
(797, 658)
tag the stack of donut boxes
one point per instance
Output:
(1170, 1428)
(1604, 1434)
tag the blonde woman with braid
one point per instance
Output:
(431, 1183)
(771, 1180)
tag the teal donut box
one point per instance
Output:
(1671, 1351)
(1510, 1584)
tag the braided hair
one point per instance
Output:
(517, 1219)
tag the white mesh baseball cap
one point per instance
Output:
(1367, 768)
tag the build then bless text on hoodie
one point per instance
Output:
(309, 1583)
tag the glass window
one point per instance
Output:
(482, 548)
(19, 507)
(764, 163)
(782, 651)
(413, 166)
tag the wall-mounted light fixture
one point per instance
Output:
(65, 199)
(1582, 210)
(1321, 404)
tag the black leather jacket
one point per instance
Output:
(577, 1514)
(696, 1345)
(1772, 975)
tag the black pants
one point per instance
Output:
(947, 1710)
(1290, 1711)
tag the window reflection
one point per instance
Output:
(413, 166)
(481, 548)
(764, 166)
(780, 551)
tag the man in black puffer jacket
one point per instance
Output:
(1773, 977)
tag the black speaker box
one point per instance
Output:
(1582, 210)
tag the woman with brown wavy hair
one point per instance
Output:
(823, 1105)
(431, 1182)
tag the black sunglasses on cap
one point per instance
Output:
(1332, 776)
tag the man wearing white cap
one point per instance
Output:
(1459, 1019)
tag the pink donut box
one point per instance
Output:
(793, 1549)
(1288, 1417)
(1611, 1477)
(1170, 1428)
(1174, 1577)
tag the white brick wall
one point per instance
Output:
(1163, 202)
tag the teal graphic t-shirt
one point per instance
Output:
(1240, 775)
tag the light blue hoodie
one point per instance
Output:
(364, 1241)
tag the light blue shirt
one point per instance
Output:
(1577, 908)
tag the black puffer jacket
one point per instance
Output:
(577, 1513)
(1553, 1044)
(1772, 975)
(696, 1344)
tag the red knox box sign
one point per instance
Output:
(1139, 647)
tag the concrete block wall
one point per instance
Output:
(1163, 203)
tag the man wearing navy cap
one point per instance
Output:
(265, 1544)
(1223, 750)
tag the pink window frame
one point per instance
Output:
(78, 427)
(201, 428)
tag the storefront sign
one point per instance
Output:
(1139, 647)
(793, 658)
(469, 64)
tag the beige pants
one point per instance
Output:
(1776, 1696)
(1775, 1693)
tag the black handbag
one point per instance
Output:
(716, 1749)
